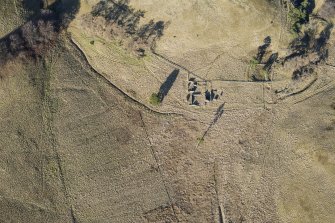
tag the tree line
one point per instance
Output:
(126, 18)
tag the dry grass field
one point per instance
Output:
(80, 141)
(215, 46)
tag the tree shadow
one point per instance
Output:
(313, 42)
(301, 44)
(40, 33)
(261, 73)
(322, 41)
(125, 19)
(167, 85)
(262, 49)
(272, 59)
(33, 6)
(309, 43)
(300, 13)
(309, 8)
(66, 11)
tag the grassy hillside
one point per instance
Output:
(14, 13)
(79, 141)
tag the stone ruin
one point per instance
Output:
(200, 94)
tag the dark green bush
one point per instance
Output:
(155, 99)
(298, 16)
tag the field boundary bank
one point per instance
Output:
(129, 97)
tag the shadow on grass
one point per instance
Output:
(262, 49)
(35, 37)
(310, 6)
(127, 20)
(167, 85)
